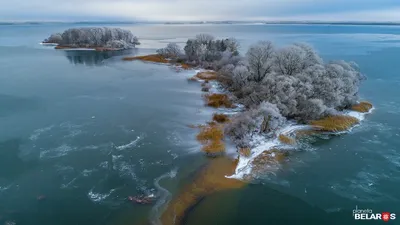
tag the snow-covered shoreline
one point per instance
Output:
(263, 143)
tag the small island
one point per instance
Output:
(94, 38)
(269, 99)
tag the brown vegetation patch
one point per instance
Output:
(286, 139)
(214, 148)
(220, 118)
(185, 66)
(271, 156)
(335, 123)
(218, 100)
(305, 133)
(62, 47)
(205, 76)
(208, 75)
(210, 132)
(212, 138)
(212, 123)
(148, 58)
(246, 152)
(268, 161)
(193, 79)
(209, 180)
(362, 107)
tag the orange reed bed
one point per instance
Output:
(362, 107)
(209, 180)
(335, 123)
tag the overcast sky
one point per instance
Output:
(187, 10)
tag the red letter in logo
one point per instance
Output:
(385, 216)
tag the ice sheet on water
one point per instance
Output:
(36, 133)
(5, 188)
(363, 186)
(130, 144)
(88, 172)
(97, 197)
(60, 151)
(123, 167)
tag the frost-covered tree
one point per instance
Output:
(204, 38)
(172, 51)
(232, 45)
(54, 39)
(296, 80)
(260, 59)
(227, 58)
(293, 78)
(205, 49)
(264, 119)
(240, 76)
(295, 59)
(86, 37)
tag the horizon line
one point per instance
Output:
(201, 22)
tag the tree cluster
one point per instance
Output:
(88, 37)
(296, 79)
(274, 83)
(204, 50)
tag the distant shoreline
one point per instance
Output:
(349, 23)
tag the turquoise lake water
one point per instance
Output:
(87, 130)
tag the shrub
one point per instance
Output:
(263, 119)
(218, 100)
(172, 51)
(220, 118)
(212, 137)
(185, 66)
(210, 133)
(335, 123)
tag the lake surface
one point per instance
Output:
(87, 130)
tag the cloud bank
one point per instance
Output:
(190, 10)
